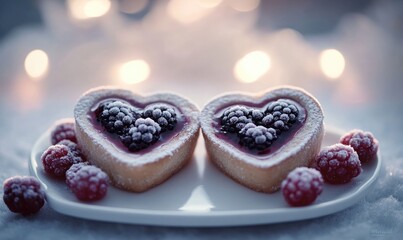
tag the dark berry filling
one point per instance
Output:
(260, 129)
(135, 126)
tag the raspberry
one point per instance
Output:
(64, 129)
(57, 159)
(144, 133)
(87, 182)
(338, 164)
(280, 115)
(364, 143)
(23, 195)
(235, 118)
(163, 115)
(302, 186)
(116, 116)
(257, 137)
(75, 150)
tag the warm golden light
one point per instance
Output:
(332, 63)
(132, 6)
(82, 9)
(243, 5)
(186, 11)
(209, 3)
(134, 71)
(26, 95)
(252, 66)
(36, 63)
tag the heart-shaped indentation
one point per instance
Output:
(257, 140)
(139, 141)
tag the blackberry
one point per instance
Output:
(257, 137)
(280, 115)
(116, 116)
(23, 195)
(235, 118)
(144, 133)
(163, 115)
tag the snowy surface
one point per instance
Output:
(367, 97)
(378, 216)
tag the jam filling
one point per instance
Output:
(259, 129)
(135, 127)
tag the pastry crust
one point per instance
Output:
(264, 175)
(136, 172)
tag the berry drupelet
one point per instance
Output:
(163, 115)
(23, 195)
(144, 133)
(235, 118)
(116, 116)
(280, 115)
(257, 137)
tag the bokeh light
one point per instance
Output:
(134, 71)
(244, 5)
(36, 64)
(186, 11)
(83, 9)
(332, 63)
(252, 66)
(209, 3)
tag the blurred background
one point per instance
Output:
(349, 54)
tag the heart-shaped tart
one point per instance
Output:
(139, 141)
(258, 139)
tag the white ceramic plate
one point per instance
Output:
(200, 196)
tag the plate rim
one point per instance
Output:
(148, 217)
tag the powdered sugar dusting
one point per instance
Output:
(308, 133)
(93, 96)
(125, 170)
